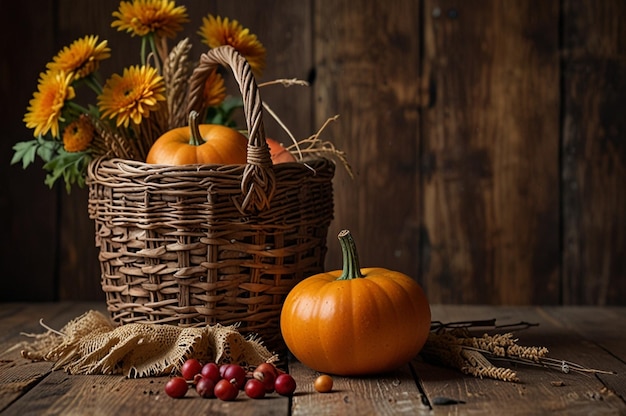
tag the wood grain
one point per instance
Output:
(63, 394)
(486, 139)
(551, 391)
(590, 336)
(28, 209)
(491, 153)
(603, 330)
(594, 153)
(368, 68)
(17, 375)
(389, 394)
(285, 29)
(77, 273)
(593, 337)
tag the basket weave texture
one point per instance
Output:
(204, 244)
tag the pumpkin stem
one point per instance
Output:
(196, 137)
(351, 267)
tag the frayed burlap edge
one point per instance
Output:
(90, 344)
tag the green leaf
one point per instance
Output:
(214, 116)
(93, 111)
(223, 114)
(69, 166)
(230, 104)
(24, 152)
(47, 149)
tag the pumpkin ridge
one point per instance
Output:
(220, 145)
(400, 317)
(356, 326)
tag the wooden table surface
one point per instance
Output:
(593, 337)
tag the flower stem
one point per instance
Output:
(79, 109)
(93, 83)
(155, 53)
(351, 267)
(196, 137)
(143, 50)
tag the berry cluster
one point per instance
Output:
(226, 380)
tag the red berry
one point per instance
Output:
(265, 376)
(237, 372)
(205, 387)
(223, 368)
(226, 390)
(211, 371)
(176, 387)
(267, 367)
(255, 389)
(190, 368)
(285, 385)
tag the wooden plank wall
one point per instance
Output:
(491, 151)
(487, 138)
(594, 152)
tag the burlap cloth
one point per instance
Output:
(90, 344)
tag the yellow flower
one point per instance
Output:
(44, 112)
(218, 31)
(82, 57)
(132, 95)
(78, 134)
(214, 90)
(142, 17)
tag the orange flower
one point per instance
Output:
(133, 95)
(218, 31)
(142, 17)
(44, 112)
(214, 90)
(78, 134)
(82, 57)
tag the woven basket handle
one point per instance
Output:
(258, 183)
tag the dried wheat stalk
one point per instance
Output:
(113, 142)
(176, 73)
(454, 346)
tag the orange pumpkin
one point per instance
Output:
(278, 152)
(355, 321)
(202, 144)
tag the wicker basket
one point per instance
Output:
(204, 244)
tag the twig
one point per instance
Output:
(451, 344)
(285, 83)
(283, 126)
(487, 323)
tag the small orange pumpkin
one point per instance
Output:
(355, 321)
(199, 144)
(278, 152)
